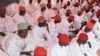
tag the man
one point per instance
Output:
(84, 44)
(58, 26)
(62, 11)
(49, 12)
(17, 43)
(40, 51)
(23, 17)
(72, 28)
(76, 44)
(92, 36)
(41, 33)
(61, 48)
(7, 25)
(80, 19)
(30, 8)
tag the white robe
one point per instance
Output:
(7, 25)
(58, 50)
(75, 49)
(94, 43)
(78, 21)
(90, 51)
(62, 11)
(24, 2)
(17, 44)
(3, 53)
(96, 30)
(55, 29)
(39, 33)
(23, 19)
(48, 13)
(12, 9)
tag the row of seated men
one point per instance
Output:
(61, 28)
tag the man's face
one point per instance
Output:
(63, 44)
(2, 13)
(70, 21)
(87, 30)
(23, 33)
(22, 13)
(43, 24)
(81, 42)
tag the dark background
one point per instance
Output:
(7, 2)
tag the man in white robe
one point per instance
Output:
(7, 24)
(61, 48)
(18, 42)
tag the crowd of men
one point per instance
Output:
(50, 28)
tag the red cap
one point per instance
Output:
(57, 17)
(3, 8)
(93, 21)
(68, 3)
(81, 11)
(72, 17)
(89, 25)
(83, 37)
(64, 38)
(41, 19)
(68, 11)
(21, 8)
(90, 6)
(77, 4)
(49, 5)
(92, 1)
(40, 51)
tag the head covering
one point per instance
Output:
(40, 51)
(92, 1)
(77, 4)
(93, 21)
(90, 25)
(81, 11)
(49, 5)
(21, 8)
(72, 17)
(68, 3)
(68, 11)
(3, 8)
(22, 26)
(64, 38)
(83, 37)
(41, 19)
(90, 6)
(57, 17)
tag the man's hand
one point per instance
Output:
(26, 52)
